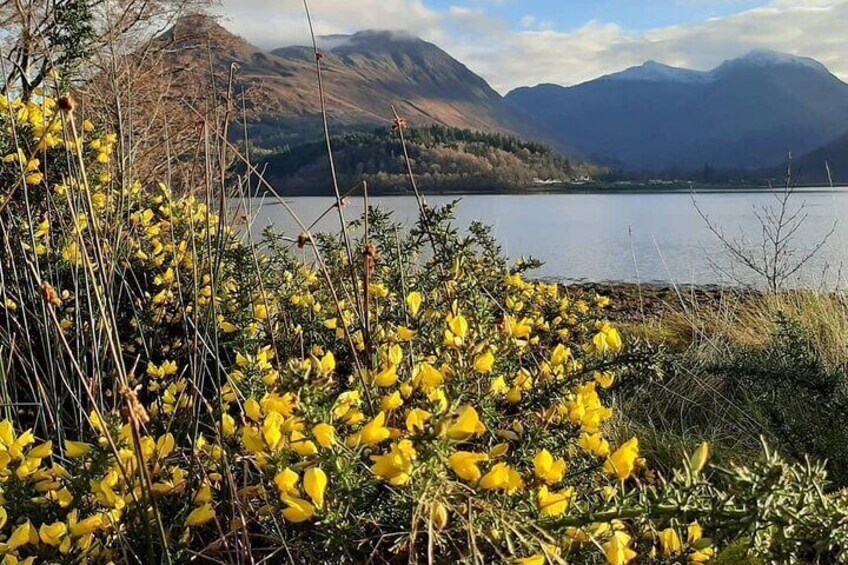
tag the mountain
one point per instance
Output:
(747, 113)
(364, 75)
(813, 167)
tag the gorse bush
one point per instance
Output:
(174, 392)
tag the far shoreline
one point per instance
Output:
(587, 189)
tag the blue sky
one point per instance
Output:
(570, 15)
(515, 43)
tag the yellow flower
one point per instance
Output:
(325, 435)
(22, 535)
(252, 409)
(498, 386)
(395, 355)
(537, 559)
(165, 445)
(670, 542)
(228, 425)
(560, 355)
(204, 494)
(464, 465)
(467, 425)
(396, 465)
(272, 430)
(547, 469)
(72, 254)
(315, 484)
(260, 312)
(283, 405)
(413, 302)
(622, 462)
(387, 377)
(484, 363)
(86, 526)
(372, 433)
(604, 378)
(328, 363)
(427, 377)
(298, 510)
(502, 477)
(702, 555)
(607, 340)
(301, 445)
(53, 534)
(286, 481)
(76, 449)
(391, 402)
(694, 533)
(252, 439)
(552, 504)
(594, 444)
(517, 330)
(699, 459)
(416, 419)
(617, 549)
(63, 497)
(378, 289)
(439, 515)
(456, 332)
(41, 451)
(34, 179)
(404, 334)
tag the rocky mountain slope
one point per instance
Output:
(364, 74)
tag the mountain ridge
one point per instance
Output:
(365, 74)
(747, 113)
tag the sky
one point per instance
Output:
(514, 43)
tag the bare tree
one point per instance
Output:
(775, 257)
(40, 36)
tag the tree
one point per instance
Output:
(43, 36)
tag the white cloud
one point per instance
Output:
(276, 23)
(537, 52)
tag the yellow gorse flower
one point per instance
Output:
(315, 485)
(553, 504)
(548, 469)
(617, 549)
(623, 460)
(484, 362)
(465, 465)
(372, 433)
(396, 466)
(502, 477)
(670, 542)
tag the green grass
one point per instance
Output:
(772, 365)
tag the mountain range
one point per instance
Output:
(364, 74)
(746, 114)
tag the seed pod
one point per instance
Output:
(67, 104)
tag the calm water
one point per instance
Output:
(618, 237)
